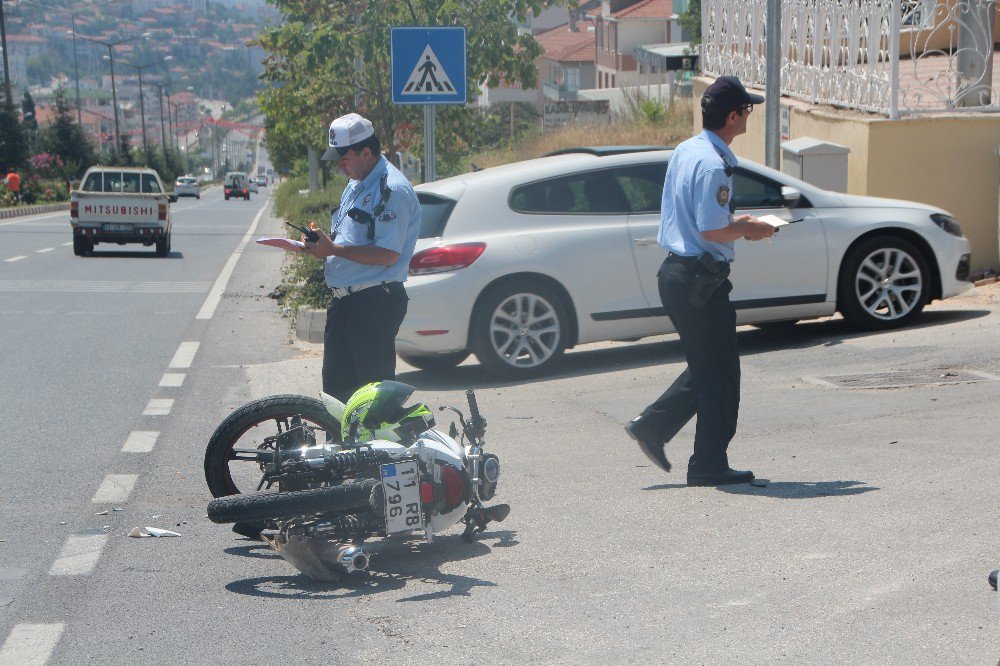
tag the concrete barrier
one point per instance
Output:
(32, 210)
(310, 324)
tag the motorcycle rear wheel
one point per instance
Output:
(247, 427)
(259, 507)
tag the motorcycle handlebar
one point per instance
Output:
(476, 419)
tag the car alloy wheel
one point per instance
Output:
(884, 283)
(519, 329)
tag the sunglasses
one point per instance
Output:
(745, 109)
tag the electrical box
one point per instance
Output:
(819, 163)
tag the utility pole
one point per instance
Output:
(772, 85)
(3, 45)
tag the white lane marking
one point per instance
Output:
(45, 249)
(79, 555)
(173, 379)
(140, 441)
(185, 355)
(158, 407)
(30, 644)
(115, 488)
(17, 258)
(67, 244)
(215, 295)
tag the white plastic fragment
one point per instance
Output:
(147, 531)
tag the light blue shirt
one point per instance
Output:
(696, 197)
(396, 228)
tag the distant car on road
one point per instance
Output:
(187, 186)
(262, 181)
(252, 185)
(235, 185)
(518, 263)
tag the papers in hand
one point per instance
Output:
(283, 243)
(773, 220)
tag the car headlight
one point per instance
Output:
(947, 223)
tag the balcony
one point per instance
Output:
(558, 92)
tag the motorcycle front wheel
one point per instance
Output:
(230, 464)
(260, 507)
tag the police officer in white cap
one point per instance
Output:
(697, 227)
(367, 254)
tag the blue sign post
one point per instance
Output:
(429, 68)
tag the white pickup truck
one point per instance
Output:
(120, 205)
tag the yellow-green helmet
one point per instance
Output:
(379, 412)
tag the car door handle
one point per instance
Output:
(645, 241)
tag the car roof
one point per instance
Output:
(563, 162)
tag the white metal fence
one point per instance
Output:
(895, 57)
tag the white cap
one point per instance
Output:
(346, 131)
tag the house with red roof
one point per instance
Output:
(569, 62)
(622, 26)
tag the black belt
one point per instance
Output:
(681, 259)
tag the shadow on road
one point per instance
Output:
(123, 254)
(788, 489)
(395, 562)
(587, 362)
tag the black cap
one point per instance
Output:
(727, 94)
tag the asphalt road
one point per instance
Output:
(871, 544)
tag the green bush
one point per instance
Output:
(302, 280)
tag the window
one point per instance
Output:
(112, 181)
(586, 193)
(434, 213)
(753, 191)
(149, 184)
(130, 183)
(642, 186)
(93, 183)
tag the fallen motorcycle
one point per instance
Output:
(388, 472)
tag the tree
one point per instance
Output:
(310, 63)
(690, 21)
(30, 122)
(66, 138)
(13, 143)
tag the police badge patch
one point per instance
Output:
(722, 196)
(367, 199)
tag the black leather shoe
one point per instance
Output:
(723, 477)
(650, 444)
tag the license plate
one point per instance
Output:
(401, 484)
(117, 227)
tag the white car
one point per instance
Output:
(252, 185)
(187, 186)
(517, 263)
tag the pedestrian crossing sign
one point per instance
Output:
(428, 65)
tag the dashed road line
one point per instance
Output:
(158, 407)
(30, 644)
(17, 258)
(185, 355)
(45, 249)
(115, 489)
(215, 295)
(140, 441)
(172, 379)
(67, 244)
(79, 554)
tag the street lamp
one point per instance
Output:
(111, 57)
(72, 20)
(142, 102)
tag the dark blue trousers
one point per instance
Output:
(359, 343)
(710, 385)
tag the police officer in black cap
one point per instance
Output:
(698, 228)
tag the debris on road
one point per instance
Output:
(140, 532)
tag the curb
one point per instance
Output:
(32, 210)
(310, 324)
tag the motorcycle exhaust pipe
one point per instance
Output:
(352, 558)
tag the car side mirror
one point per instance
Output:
(172, 198)
(791, 196)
